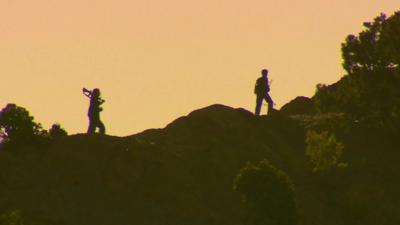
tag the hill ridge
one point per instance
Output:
(184, 172)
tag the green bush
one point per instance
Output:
(324, 151)
(11, 218)
(268, 194)
(18, 217)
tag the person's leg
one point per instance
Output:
(101, 126)
(92, 126)
(270, 103)
(95, 121)
(258, 105)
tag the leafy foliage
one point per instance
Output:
(268, 194)
(372, 61)
(18, 126)
(324, 151)
(11, 218)
(18, 217)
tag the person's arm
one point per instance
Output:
(87, 93)
(256, 87)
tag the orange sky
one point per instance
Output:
(157, 60)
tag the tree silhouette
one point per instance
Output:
(375, 49)
(372, 60)
(18, 126)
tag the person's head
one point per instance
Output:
(264, 72)
(96, 92)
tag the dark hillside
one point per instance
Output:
(183, 174)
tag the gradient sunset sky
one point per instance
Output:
(156, 60)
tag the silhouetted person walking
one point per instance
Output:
(94, 111)
(261, 90)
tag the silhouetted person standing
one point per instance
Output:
(261, 90)
(94, 111)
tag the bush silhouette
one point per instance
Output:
(268, 194)
(17, 126)
(56, 131)
(324, 151)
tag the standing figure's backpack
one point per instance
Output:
(262, 86)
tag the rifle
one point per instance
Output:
(86, 92)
